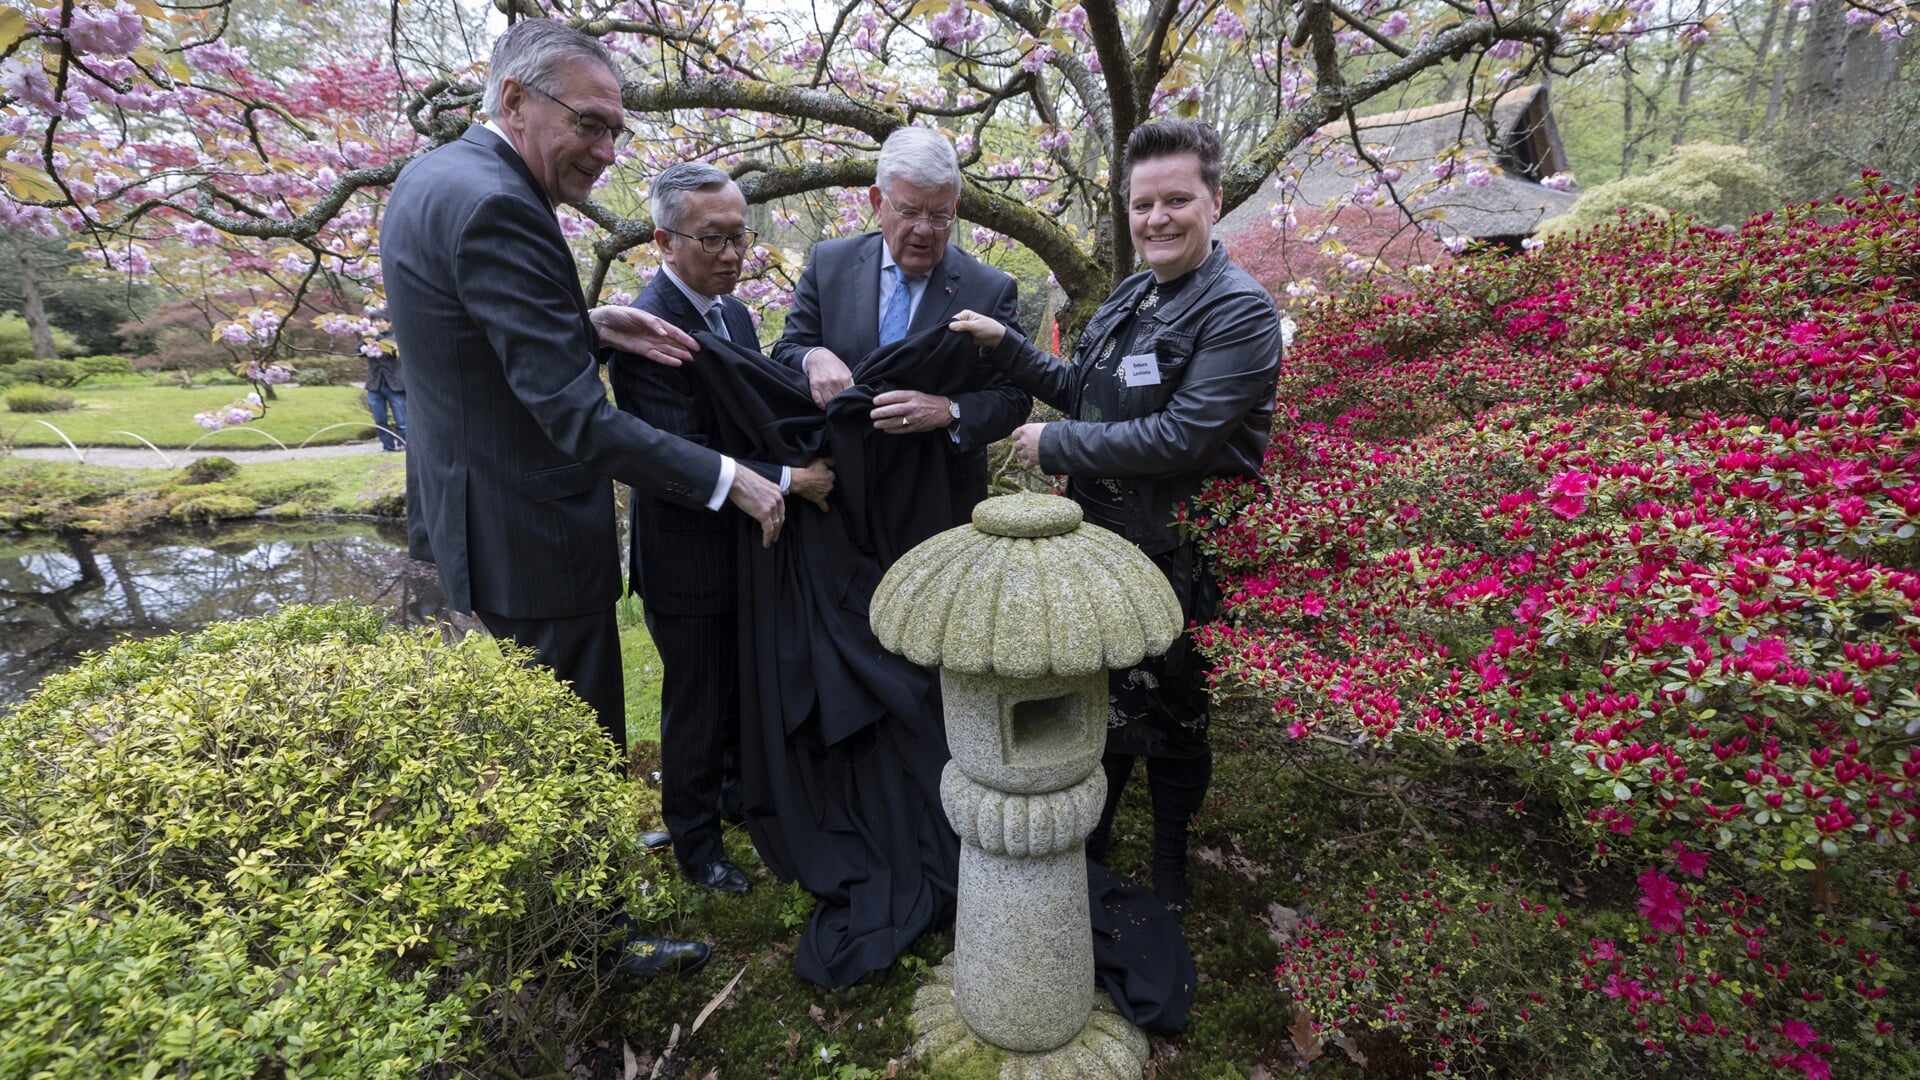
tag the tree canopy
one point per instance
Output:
(254, 139)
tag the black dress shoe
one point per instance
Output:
(721, 876)
(642, 958)
(657, 840)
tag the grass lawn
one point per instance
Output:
(164, 416)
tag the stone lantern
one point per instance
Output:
(1024, 612)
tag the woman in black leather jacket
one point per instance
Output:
(1171, 383)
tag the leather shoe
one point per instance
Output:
(721, 876)
(643, 958)
(657, 840)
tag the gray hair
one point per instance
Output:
(532, 50)
(667, 198)
(919, 156)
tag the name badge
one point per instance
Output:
(1140, 369)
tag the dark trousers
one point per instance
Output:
(1179, 788)
(380, 403)
(699, 727)
(582, 650)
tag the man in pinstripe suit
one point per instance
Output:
(685, 562)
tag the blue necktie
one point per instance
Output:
(893, 322)
(716, 323)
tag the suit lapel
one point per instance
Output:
(676, 306)
(480, 135)
(862, 308)
(740, 326)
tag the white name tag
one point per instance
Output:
(1140, 369)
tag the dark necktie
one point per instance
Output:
(717, 324)
(893, 323)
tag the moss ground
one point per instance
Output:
(1248, 856)
(45, 496)
(163, 415)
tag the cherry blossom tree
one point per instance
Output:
(155, 130)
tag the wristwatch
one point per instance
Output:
(953, 410)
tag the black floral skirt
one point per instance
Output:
(1158, 707)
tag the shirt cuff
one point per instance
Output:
(724, 485)
(786, 478)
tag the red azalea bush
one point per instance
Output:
(1308, 251)
(1632, 519)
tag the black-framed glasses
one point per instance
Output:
(713, 242)
(588, 126)
(913, 215)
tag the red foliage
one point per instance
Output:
(1306, 251)
(1635, 514)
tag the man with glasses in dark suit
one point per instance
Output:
(864, 292)
(511, 437)
(685, 561)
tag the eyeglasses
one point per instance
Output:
(712, 242)
(589, 127)
(913, 215)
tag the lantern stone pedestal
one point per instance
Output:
(1024, 612)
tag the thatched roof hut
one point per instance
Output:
(1473, 169)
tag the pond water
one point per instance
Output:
(60, 597)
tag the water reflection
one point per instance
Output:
(60, 597)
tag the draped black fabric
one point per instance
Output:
(843, 741)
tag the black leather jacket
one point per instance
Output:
(1218, 347)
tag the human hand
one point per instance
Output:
(986, 332)
(909, 412)
(812, 483)
(762, 501)
(1026, 444)
(646, 334)
(827, 375)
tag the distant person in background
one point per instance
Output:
(386, 393)
(1171, 383)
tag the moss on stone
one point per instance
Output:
(1027, 590)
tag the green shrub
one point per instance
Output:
(33, 398)
(337, 370)
(16, 343)
(103, 367)
(1713, 184)
(61, 373)
(208, 469)
(301, 845)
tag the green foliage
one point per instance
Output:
(1713, 184)
(66, 374)
(300, 845)
(102, 367)
(211, 507)
(1815, 161)
(60, 373)
(16, 341)
(206, 470)
(66, 496)
(33, 398)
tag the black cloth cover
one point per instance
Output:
(843, 742)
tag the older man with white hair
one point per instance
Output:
(862, 293)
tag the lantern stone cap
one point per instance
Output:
(1028, 590)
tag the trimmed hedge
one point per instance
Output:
(33, 398)
(301, 845)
